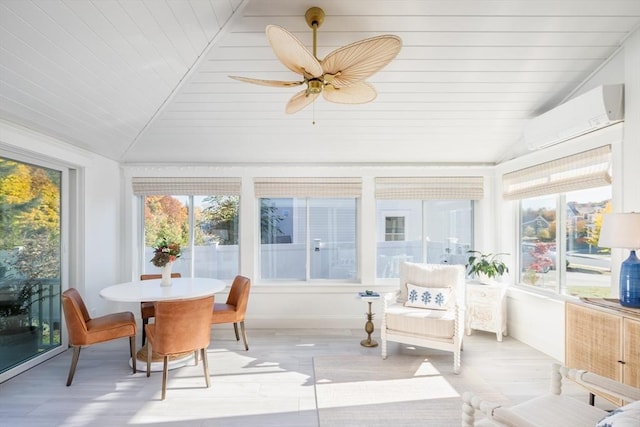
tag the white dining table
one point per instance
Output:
(151, 290)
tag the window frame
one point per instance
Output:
(69, 200)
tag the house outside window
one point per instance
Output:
(561, 204)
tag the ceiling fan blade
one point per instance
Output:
(273, 83)
(299, 101)
(357, 93)
(292, 53)
(358, 61)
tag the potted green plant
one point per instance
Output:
(486, 267)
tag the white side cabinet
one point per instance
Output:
(486, 308)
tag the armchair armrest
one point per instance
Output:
(595, 382)
(390, 298)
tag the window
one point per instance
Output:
(437, 231)
(559, 243)
(209, 247)
(561, 208)
(205, 226)
(308, 228)
(424, 219)
(308, 239)
(30, 261)
(394, 228)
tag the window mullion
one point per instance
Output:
(308, 240)
(192, 236)
(561, 242)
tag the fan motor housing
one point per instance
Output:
(314, 15)
(315, 86)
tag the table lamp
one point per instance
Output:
(622, 230)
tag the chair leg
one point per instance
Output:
(456, 362)
(132, 350)
(149, 351)
(74, 363)
(195, 357)
(144, 332)
(165, 371)
(205, 365)
(235, 329)
(244, 335)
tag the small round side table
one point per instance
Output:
(368, 326)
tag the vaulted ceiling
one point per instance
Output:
(147, 80)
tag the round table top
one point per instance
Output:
(150, 290)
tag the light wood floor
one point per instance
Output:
(272, 384)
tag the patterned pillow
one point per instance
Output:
(431, 298)
(626, 416)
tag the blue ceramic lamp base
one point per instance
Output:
(630, 281)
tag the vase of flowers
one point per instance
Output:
(164, 254)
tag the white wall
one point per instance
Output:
(545, 314)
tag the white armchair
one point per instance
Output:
(428, 309)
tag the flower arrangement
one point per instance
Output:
(165, 252)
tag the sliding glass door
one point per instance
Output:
(30, 261)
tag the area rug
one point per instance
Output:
(399, 391)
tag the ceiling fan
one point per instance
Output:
(339, 76)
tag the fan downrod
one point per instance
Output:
(314, 16)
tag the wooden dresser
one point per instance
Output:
(603, 337)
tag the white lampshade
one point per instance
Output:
(620, 230)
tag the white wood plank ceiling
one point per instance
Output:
(147, 80)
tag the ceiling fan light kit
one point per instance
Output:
(340, 76)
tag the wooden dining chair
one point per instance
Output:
(85, 331)
(235, 309)
(146, 307)
(180, 326)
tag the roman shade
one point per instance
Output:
(186, 186)
(427, 187)
(308, 187)
(588, 169)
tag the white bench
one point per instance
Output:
(555, 409)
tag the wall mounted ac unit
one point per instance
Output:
(595, 109)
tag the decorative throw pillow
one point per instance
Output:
(625, 416)
(431, 298)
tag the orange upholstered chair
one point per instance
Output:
(85, 331)
(146, 307)
(180, 326)
(234, 310)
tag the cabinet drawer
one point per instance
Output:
(480, 294)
